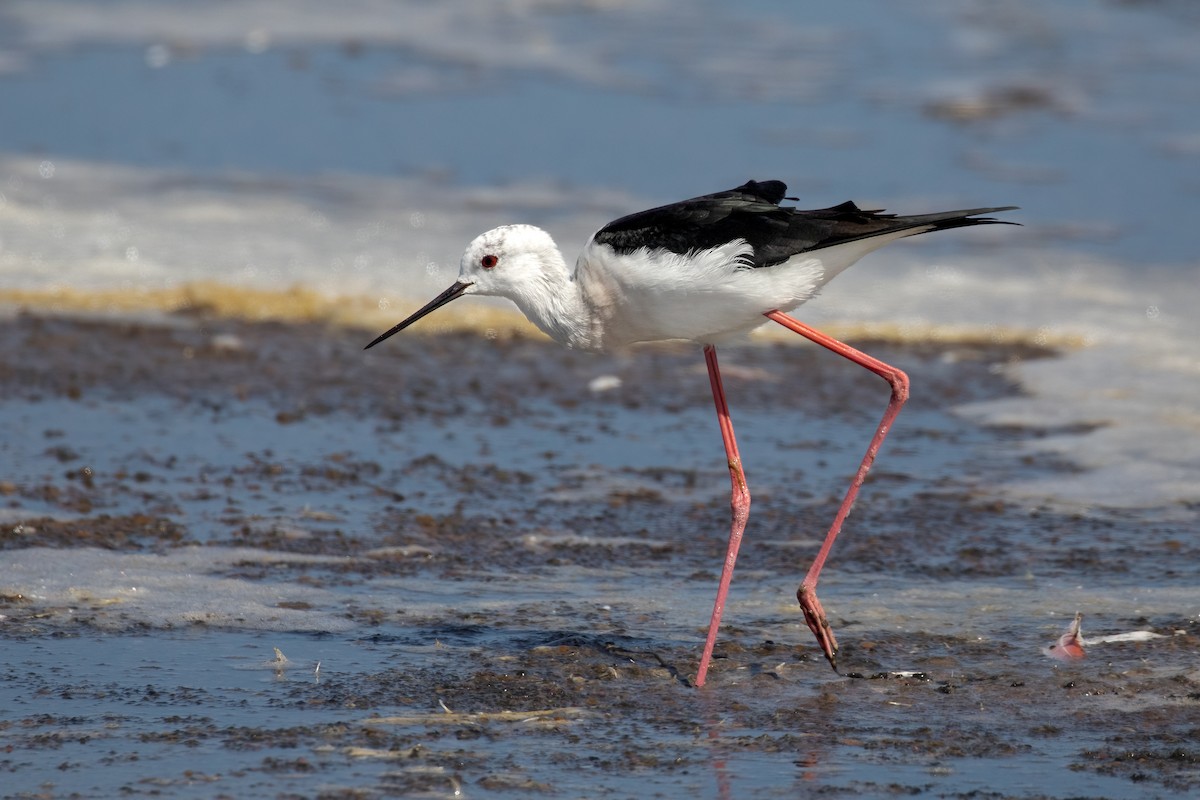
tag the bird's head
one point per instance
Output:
(509, 261)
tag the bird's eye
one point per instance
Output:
(488, 261)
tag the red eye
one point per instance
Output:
(488, 261)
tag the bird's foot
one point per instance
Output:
(1069, 646)
(814, 615)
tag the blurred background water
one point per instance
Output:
(1083, 111)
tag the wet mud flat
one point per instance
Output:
(487, 565)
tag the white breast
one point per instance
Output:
(706, 297)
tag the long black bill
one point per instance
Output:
(453, 293)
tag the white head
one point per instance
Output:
(508, 261)
(513, 261)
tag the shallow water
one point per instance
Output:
(177, 510)
(238, 727)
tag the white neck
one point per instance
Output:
(553, 301)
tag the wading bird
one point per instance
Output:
(705, 270)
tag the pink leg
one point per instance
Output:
(739, 501)
(814, 614)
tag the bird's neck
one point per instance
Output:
(554, 302)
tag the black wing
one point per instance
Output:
(752, 212)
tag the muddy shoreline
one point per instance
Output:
(478, 526)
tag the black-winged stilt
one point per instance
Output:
(705, 270)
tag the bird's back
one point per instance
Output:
(751, 212)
